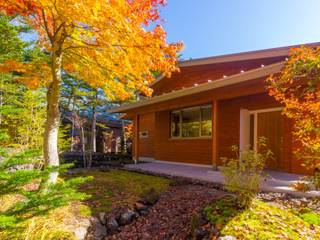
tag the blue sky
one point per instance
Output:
(215, 27)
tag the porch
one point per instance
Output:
(274, 182)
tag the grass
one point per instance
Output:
(260, 221)
(107, 190)
(117, 188)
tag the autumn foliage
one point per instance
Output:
(115, 45)
(102, 42)
(298, 88)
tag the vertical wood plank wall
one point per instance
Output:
(226, 132)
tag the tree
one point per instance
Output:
(298, 88)
(21, 110)
(109, 44)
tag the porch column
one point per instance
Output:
(136, 139)
(214, 134)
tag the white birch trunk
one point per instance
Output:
(51, 154)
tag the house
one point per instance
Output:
(109, 134)
(195, 116)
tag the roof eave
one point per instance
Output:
(222, 82)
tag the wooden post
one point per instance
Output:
(214, 134)
(136, 139)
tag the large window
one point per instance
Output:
(192, 122)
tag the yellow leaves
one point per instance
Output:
(102, 42)
(32, 74)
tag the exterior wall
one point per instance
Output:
(160, 146)
(188, 76)
(198, 151)
(146, 144)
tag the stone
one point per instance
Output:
(200, 234)
(227, 238)
(102, 217)
(112, 225)
(81, 230)
(126, 217)
(140, 206)
(97, 230)
(143, 212)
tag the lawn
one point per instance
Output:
(116, 188)
(106, 191)
(261, 221)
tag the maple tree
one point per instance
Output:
(115, 45)
(298, 88)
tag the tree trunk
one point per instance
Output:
(94, 131)
(51, 155)
(83, 147)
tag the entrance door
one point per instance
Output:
(268, 123)
(270, 126)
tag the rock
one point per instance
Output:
(127, 217)
(102, 217)
(200, 234)
(227, 238)
(140, 206)
(143, 212)
(97, 230)
(112, 225)
(81, 231)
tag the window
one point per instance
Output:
(192, 122)
(175, 124)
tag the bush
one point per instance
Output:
(22, 179)
(242, 174)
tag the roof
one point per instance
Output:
(251, 55)
(222, 82)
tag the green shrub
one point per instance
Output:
(242, 174)
(21, 179)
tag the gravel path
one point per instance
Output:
(171, 216)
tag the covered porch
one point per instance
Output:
(274, 182)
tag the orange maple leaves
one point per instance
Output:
(298, 88)
(105, 43)
(33, 75)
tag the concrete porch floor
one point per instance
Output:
(275, 181)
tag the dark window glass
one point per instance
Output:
(206, 121)
(191, 122)
(175, 124)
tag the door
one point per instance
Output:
(270, 125)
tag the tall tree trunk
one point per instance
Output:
(93, 136)
(94, 131)
(51, 155)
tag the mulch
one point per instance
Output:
(171, 216)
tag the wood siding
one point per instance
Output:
(197, 151)
(188, 76)
(146, 145)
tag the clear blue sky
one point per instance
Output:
(215, 27)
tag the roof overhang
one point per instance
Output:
(231, 80)
(259, 54)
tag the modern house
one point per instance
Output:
(195, 116)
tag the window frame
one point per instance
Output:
(199, 107)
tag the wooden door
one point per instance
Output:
(270, 126)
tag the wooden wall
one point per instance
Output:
(160, 146)
(188, 76)
(179, 150)
(146, 145)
